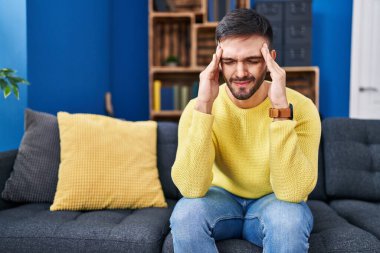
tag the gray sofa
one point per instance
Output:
(345, 204)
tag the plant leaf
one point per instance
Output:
(7, 71)
(16, 79)
(15, 91)
(3, 84)
(7, 91)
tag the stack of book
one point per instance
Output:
(171, 40)
(206, 45)
(217, 9)
(173, 97)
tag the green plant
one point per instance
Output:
(9, 82)
(172, 60)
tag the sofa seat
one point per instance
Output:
(363, 214)
(34, 228)
(331, 233)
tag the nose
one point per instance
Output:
(240, 69)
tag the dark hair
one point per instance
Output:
(244, 23)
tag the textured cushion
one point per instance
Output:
(352, 158)
(35, 173)
(107, 163)
(7, 160)
(33, 228)
(167, 142)
(331, 233)
(225, 246)
(365, 215)
(319, 191)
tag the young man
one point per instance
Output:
(244, 174)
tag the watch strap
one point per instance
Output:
(281, 112)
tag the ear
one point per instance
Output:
(273, 53)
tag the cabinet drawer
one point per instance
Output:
(297, 55)
(298, 10)
(272, 11)
(297, 32)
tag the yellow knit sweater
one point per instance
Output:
(245, 152)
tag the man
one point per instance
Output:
(242, 173)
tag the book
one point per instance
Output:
(160, 5)
(194, 89)
(221, 12)
(157, 95)
(167, 100)
(157, 44)
(176, 97)
(185, 90)
(210, 11)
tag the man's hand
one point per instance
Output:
(276, 91)
(209, 84)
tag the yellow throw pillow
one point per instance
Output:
(107, 163)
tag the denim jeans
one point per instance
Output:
(276, 226)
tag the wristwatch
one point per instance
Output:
(281, 112)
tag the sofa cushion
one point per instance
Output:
(7, 160)
(35, 172)
(107, 163)
(167, 141)
(365, 215)
(319, 191)
(225, 246)
(352, 158)
(33, 228)
(331, 233)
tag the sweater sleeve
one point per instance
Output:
(293, 158)
(192, 169)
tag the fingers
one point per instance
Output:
(218, 56)
(272, 65)
(214, 64)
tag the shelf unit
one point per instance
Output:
(187, 34)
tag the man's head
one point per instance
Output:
(241, 34)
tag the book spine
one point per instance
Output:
(221, 9)
(167, 102)
(210, 10)
(184, 96)
(177, 97)
(157, 95)
(195, 89)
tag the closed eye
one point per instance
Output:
(228, 62)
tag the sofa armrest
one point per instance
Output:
(7, 159)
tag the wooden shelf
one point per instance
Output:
(173, 14)
(166, 38)
(166, 115)
(167, 69)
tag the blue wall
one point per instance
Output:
(129, 69)
(331, 52)
(12, 55)
(68, 55)
(78, 50)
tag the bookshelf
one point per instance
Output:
(181, 44)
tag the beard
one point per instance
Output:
(244, 93)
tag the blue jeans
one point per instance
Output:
(276, 226)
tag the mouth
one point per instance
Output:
(242, 83)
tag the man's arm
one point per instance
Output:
(192, 169)
(293, 158)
